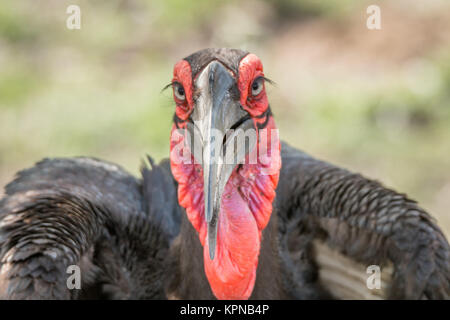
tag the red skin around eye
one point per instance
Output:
(182, 74)
(251, 68)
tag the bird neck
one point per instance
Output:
(187, 278)
(246, 208)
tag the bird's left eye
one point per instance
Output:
(257, 86)
(179, 92)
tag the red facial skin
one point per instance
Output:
(183, 75)
(246, 203)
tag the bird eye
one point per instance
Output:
(178, 90)
(257, 86)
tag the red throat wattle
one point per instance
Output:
(246, 203)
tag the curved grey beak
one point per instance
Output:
(221, 137)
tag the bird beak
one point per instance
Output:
(218, 142)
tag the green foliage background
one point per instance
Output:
(374, 101)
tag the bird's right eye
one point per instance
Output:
(178, 91)
(257, 86)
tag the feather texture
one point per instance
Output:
(87, 213)
(366, 222)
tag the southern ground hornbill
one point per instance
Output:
(272, 223)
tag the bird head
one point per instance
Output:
(225, 156)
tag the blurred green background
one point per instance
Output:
(373, 101)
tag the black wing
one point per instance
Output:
(88, 213)
(356, 223)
